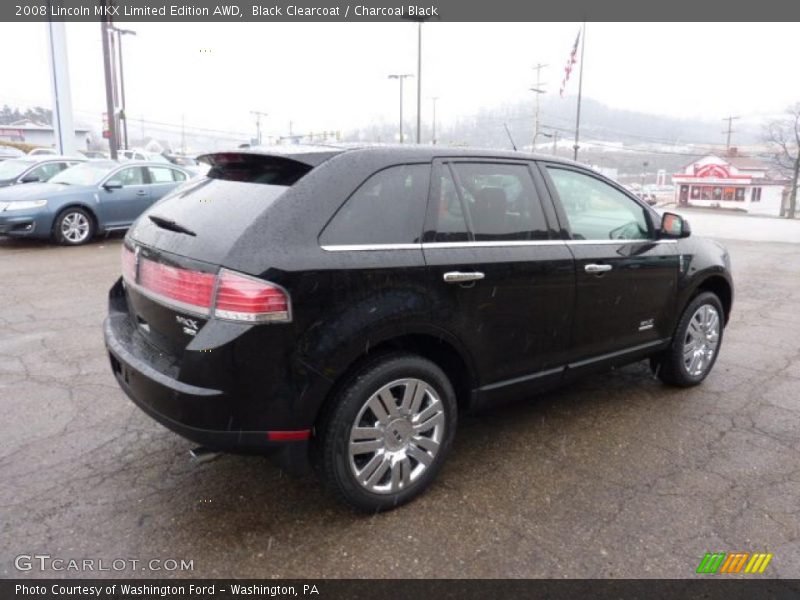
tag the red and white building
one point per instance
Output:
(729, 182)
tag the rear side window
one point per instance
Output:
(388, 208)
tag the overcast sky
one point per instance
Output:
(334, 76)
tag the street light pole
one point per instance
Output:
(400, 77)
(433, 136)
(120, 33)
(419, 82)
(538, 91)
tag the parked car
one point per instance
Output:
(43, 152)
(340, 307)
(34, 169)
(89, 198)
(7, 152)
(142, 155)
(94, 154)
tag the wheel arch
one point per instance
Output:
(73, 204)
(719, 286)
(436, 348)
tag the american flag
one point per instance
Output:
(570, 63)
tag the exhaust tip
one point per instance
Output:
(201, 454)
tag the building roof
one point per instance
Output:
(28, 125)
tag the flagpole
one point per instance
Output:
(580, 94)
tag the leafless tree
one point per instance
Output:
(784, 137)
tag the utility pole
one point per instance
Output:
(400, 77)
(433, 136)
(110, 108)
(729, 131)
(538, 91)
(258, 115)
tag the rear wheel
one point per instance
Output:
(696, 344)
(73, 226)
(388, 432)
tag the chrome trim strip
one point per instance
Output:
(482, 244)
(493, 244)
(369, 247)
(617, 242)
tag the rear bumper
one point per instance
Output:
(199, 414)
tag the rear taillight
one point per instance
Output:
(243, 298)
(227, 295)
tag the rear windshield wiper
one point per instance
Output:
(171, 225)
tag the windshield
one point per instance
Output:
(89, 173)
(9, 169)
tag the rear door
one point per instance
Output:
(626, 277)
(505, 282)
(119, 207)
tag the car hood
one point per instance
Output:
(30, 191)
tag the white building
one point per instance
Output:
(734, 182)
(30, 132)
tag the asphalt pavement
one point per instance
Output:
(617, 476)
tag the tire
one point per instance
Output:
(695, 345)
(371, 454)
(73, 226)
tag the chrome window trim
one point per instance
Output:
(481, 244)
(369, 247)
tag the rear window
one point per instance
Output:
(253, 168)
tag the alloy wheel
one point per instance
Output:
(701, 341)
(75, 227)
(396, 436)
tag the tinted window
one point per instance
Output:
(129, 176)
(388, 208)
(501, 201)
(596, 210)
(451, 225)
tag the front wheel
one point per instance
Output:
(388, 432)
(696, 344)
(73, 227)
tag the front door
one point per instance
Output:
(505, 283)
(626, 278)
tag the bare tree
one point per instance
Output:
(784, 137)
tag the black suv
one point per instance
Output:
(338, 306)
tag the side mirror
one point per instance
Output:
(674, 226)
(30, 178)
(112, 185)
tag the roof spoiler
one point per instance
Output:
(312, 158)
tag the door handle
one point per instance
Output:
(461, 277)
(592, 268)
(141, 193)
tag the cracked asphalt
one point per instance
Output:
(617, 476)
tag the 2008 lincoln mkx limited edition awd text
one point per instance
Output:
(337, 306)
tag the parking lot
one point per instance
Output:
(618, 476)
